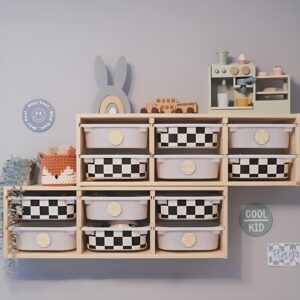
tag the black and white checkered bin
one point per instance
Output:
(259, 166)
(116, 239)
(45, 208)
(187, 135)
(116, 167)
(189, 208)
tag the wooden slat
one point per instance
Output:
(152, 222)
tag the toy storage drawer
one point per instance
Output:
(116, 208)
(116, 238)
(189, 208)
(103, 167)
(187, 135)
(259, 166)
(260, 135)
(188, 166)
(188, 238)
(45, 207)
(116, 135)
(38, 237)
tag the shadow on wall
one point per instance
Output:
(165, 269)
(295, 92)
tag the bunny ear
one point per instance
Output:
(100, 73)
(120, 72)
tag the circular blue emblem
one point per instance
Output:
(38, 115)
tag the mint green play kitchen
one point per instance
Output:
(155, 184)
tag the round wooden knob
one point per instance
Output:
(188, 167)
(43, 240)
(234, 71)
(246, 70)
(114, 209)
(115, 138)
(261, 136)
(188, 240)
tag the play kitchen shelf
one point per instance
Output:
(234, 91)
(167, 186)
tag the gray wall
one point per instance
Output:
(47, 49)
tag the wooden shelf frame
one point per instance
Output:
(153, 185)
(223, 149)
(151, 253)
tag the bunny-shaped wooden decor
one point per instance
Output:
(112, 98)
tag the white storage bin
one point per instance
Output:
(187, 135)
(45, 207)
(189, 208)
(188, 238)
(117, 238)
(116, 208)
(38, 237)
(259, 166)
(259, 135)
(116, 135)
(125, 167)
(188, 166)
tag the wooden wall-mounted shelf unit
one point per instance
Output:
(153, 185)
(152, 252)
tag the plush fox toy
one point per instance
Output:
(58, 167)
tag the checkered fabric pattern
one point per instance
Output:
(284, 254)
(45, 210)
(188, 210)
(117, 241)
(187, 137)
(117, 168)
(259, 168)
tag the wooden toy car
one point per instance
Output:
(170, 105)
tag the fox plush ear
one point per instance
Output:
(120, 72)
(72, 151)
(41, 154)
(100, 73)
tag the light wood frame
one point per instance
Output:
(153, 185)
(151, 252)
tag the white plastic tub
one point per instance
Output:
(188, 166)
(116, 208)
(188, 238)
(116, 135)
(116, 238)
(38, 237)
(107, 167)
(187, 135)
(45, 207)
(259, 166)
(260, 135)
(189, 208)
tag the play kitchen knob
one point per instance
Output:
(223, 70)
(234, 71)
(43, 240)
(188, 167)
(188, 240)
(246, 70)
(261, 136)
(217, 71)
(115, 138)
(114, 209)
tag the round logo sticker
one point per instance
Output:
(256, 219)
(38, 115)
